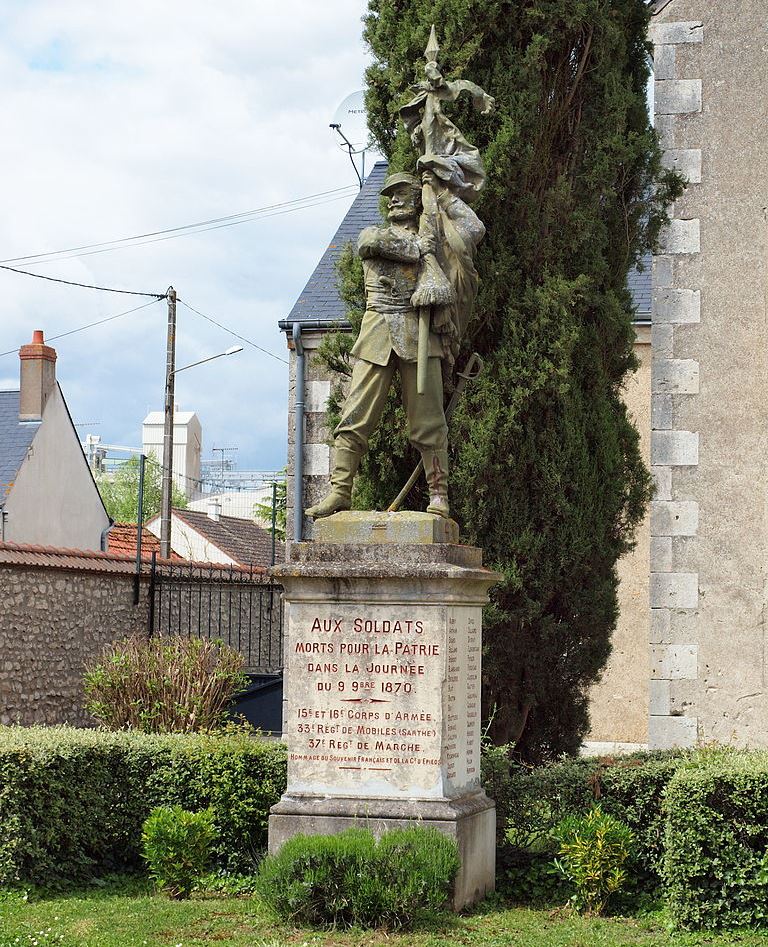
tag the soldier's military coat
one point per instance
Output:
(390, 258)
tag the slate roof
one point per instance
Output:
(15, 440)
(640, 286)
(320, 305)
(242, 540)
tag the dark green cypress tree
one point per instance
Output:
(546, 472)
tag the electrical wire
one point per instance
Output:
(90, 325)
(231, 331)
(67, 282)
(215, 223)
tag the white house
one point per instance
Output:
(47, 492)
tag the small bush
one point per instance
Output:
(164, 685)
(717, 841)
(592, 852)
(72, 802)
(177, 848)
(531, 802)
(350, 880)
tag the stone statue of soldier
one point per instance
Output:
(414, 312)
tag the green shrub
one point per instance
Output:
(164, 685)
(72, 802)
(717, 841)
(351, 880)
(177, 848)
(532, 801)
(592, 851)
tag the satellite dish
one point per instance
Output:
(350, 124)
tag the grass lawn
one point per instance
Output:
(125, 913)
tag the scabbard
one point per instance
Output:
(422, 352)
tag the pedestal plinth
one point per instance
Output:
(382, 686)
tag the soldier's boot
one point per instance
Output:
(436, 470)
(345, 466)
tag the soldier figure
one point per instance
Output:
(420, 285)
(388, 340)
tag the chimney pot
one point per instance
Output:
(37, 377)
(214, 510)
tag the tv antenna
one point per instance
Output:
(350, 124)
(224, 462)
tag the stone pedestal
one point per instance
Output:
(382, 686)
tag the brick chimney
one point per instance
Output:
(38, 377)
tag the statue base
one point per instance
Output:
(382, 686)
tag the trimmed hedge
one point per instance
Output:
(531, 802)
(716, 864)
(72, 802)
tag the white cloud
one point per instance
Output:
(134, 118)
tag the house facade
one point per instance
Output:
(47, 492)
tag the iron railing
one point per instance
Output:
(241, 607)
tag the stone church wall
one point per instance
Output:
(708, 451)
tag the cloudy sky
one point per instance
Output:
(121, 119)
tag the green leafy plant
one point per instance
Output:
(593, 849)
(119, 490)
(164, 685)
(546, 471)
(72, 802)
(177, 848)
(350, 880)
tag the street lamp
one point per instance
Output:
(170, 375)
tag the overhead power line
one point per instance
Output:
(90, 325)
(231, 331)
(215, 223)
(67, 282)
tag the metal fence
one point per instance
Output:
(241, 607)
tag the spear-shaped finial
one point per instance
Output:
(430, 53)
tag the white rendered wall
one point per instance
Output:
(54, 501)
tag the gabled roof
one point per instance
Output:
(121, 540)
(242, 540)
(320, 303)
(15, 440)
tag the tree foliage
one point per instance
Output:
(119, 490)
(546, 471)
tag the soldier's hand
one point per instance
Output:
(427, 243)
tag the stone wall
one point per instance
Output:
(709, 533)
(55, 617)
(618, 704)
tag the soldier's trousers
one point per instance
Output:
(427, 428)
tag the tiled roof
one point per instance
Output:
(121, 540)
(242, 540)
(86, 560)
(15, 439)
(320, 300)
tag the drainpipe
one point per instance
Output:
(298, 438)
(104, 533)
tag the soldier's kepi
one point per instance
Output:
(420, 284)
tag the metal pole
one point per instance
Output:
(139, 525)
(165, 506)
(274, 517)
(298, 439)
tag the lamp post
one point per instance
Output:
(170, 375)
